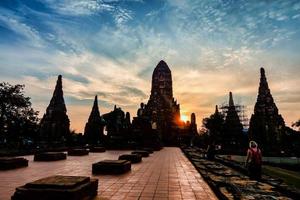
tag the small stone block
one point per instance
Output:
(7, 163)
(150, 150)
(78, 152)
(142, 153)
(157, 148)
(50, 156)
(58, 188)
(133, 158)
(111, 167)
(97, 149)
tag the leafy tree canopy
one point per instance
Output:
(296, 124)
(17, 117)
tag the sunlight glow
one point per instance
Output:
(184, 118)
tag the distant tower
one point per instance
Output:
(93, 130)
(216, 110)
(161, 108)
(127, 118)
(193, 118)
(193, 125)
(233, 128)
(55, 124)
(266, 125)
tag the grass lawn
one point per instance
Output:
(291, 178)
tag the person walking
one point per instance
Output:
(254, 161)
(211, 151)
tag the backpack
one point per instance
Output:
(256, 157)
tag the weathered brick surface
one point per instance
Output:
(166, 174)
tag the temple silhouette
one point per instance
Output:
(55, 124)
(158, 122)
(93, 130)
(233, 137)
(267, 126)
(162, 111)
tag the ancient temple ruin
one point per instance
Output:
(162, 112)
(193, 125)
(117, 128)
(55, 124)
(232, 137)
(267, 126)
(93, 130)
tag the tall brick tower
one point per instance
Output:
(161, 108)
(55, 124)
(267, 126)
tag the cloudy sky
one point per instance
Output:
(110, 48)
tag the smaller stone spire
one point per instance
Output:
(263, 85)
(57, 101)
(217, 110)
(193, 118)
(94, 127)
(232, 128)
(95, 114)
(231, 103)
(262, 71)
(127, 118)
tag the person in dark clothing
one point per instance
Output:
(211, 151)
(254, 161)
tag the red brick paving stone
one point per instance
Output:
(166, 174)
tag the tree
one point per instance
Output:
(214, 125)
(296, 124)
(17, 117)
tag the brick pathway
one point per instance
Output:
(166, 174)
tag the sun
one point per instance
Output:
(184, 118)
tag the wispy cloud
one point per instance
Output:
(18, 26)
(79, 7)
(110, 48)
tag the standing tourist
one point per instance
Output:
(254, 161)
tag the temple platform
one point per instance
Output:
(78, 152)
(149, 150)
(58, 187)
(50, 156)
(167, 174)
(111, 167)
(7, 163)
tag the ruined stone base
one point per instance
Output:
(97, 149)
(142, 153)
(149, 150)
(50, 156)
(58, 188)
(78, 152)
(133, 158)
(111, 167)
(157, 148)
(7, 163)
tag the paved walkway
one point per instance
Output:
(166, 174)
